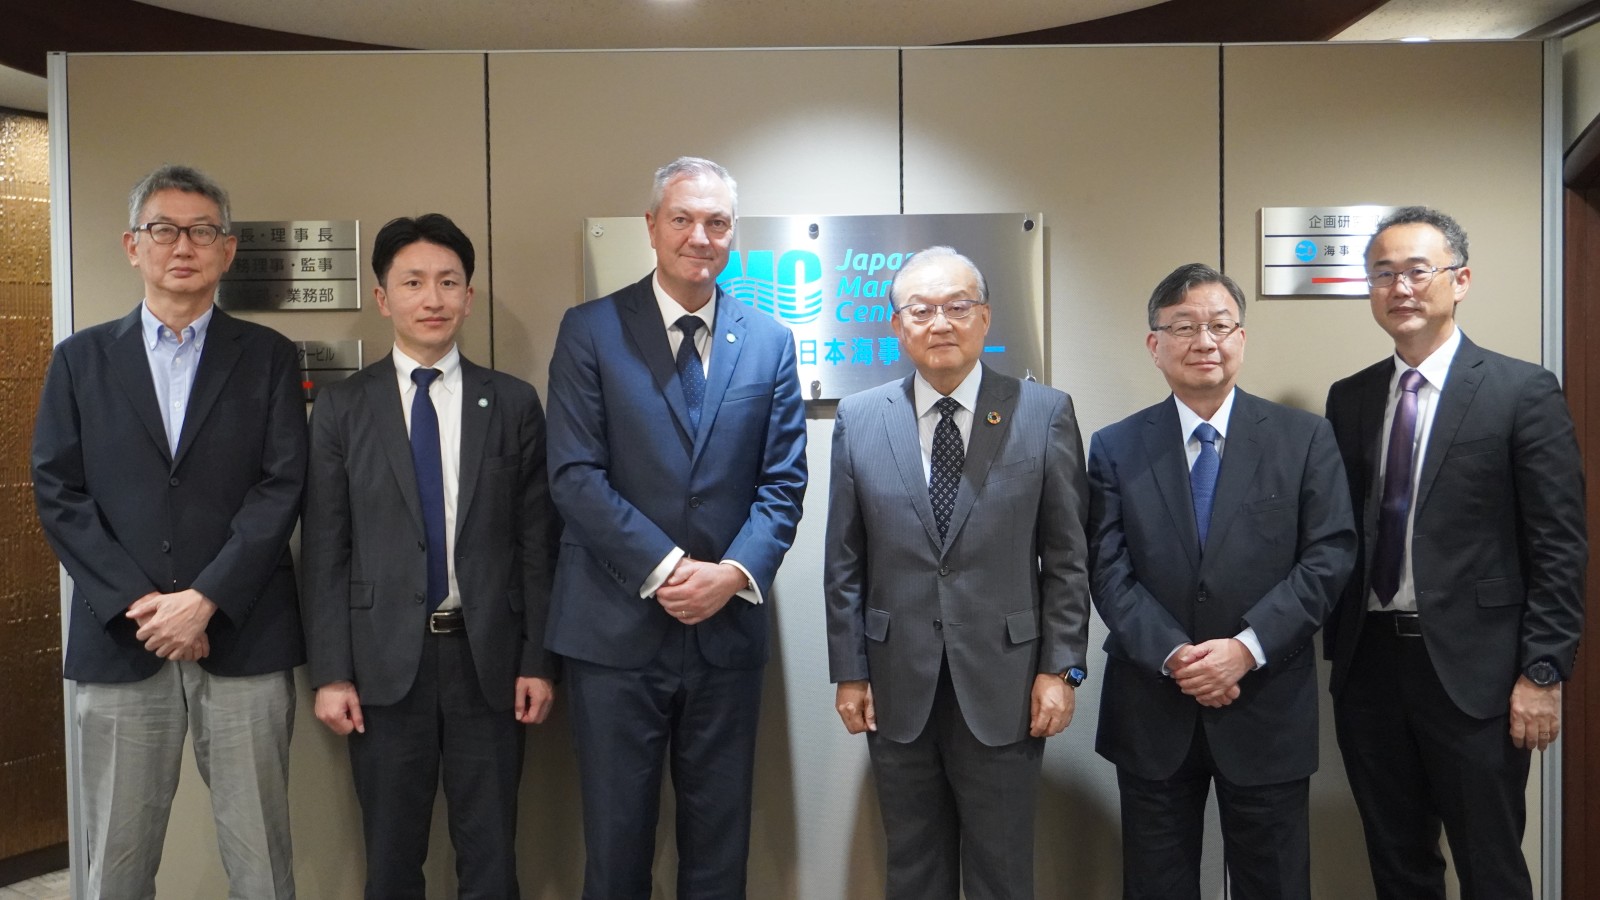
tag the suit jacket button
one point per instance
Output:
(166, 546)
(938, 625)
(173, 481)
(1202, 597)
(423, 546)
(944, 570)
(694, 502)
(419, 596)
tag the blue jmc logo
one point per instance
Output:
(790, 290)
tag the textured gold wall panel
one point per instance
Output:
(32, 761)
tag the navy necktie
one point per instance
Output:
(1203, 478)
(1396, 504)
(944, 475)
(690, 370)
(429, 466)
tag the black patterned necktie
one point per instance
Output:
(1387, 556)
(944, 476)
(691, 372)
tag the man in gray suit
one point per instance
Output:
(957, 590)
(427, 551)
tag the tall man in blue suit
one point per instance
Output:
(1220, 535)
(427, 551)
(168, 461)
(677, 460)
(1450, 645)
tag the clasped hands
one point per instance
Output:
(697, 590)
(1210, 671)
(173, 626)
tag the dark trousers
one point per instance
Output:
(444, 719)
(957, 812)
(1416, 762)
(1266, 832)
(626, 724)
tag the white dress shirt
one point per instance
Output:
(446, 394)
(671, 312)
(1434, 370)
(1188, 421)
(925, 396)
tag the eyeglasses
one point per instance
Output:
(954, 311)
(1416, 276)
(1219, 329)
(167, 233)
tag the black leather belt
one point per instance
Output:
(1404, 624)
(446, 621)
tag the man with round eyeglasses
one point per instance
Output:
(169, 457)
(1450, 644)
(1220, 535)
(957, 612)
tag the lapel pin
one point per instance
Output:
(483, 402)
(731, 338)
(993, 418)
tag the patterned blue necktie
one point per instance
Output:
(425, 459)
(690, 370)
(1203, 478)
(944, 470)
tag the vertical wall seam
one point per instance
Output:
(1222, 158)
(900, 104)
(488, 202)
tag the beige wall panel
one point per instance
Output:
(1580, 81)
(1322, 125)
(808, 131)
(366, 137)
(1118, 147)
(324, 136)
(580, 134)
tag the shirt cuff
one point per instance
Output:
(1252, 643)
(1165, 663)
(750, 592)
(659, 575)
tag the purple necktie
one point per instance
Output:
(1390, 552)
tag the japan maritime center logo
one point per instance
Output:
(786, 287)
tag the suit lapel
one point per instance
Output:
(388, 420)
(131, 364)
(217, 360)
(1373, 402)
(996, 394)
(1239, 463)
(727, 339)
(477, 408)
(641, 317)
(1163, 445)
(1466, 373)
(900, 426)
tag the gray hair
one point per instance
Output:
(1454, 234)
(177, 178)
(690, 167)
(932, 255)
(1182, 280)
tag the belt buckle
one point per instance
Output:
(1407, 625)
(445, 621)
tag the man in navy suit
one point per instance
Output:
(427, 562)
(677, 461)
(1220, 535)
(1450, 645)
(168, 460)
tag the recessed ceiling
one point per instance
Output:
(552, 24)
(1452, 20)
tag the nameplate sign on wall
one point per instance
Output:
(827, 278)
(1316, 251)
(306, 264)
(324, 362)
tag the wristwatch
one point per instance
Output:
(1542, 673)
(1074, 676)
